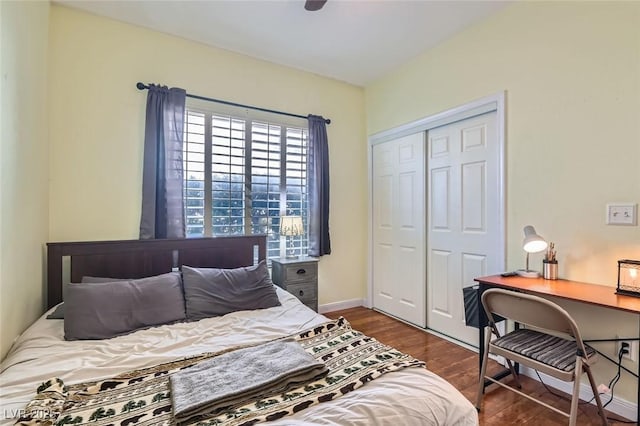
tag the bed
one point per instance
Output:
(407, 396)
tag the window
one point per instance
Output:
(242, 175)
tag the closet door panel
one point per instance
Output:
(464, 221)
(398, 234)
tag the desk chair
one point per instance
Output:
(538, 346)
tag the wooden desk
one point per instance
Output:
(591, 294)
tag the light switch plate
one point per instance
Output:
(622, 214)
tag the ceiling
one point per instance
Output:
(356, 41)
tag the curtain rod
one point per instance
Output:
(142, 86)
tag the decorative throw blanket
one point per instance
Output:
(245, 374)
(143, 396)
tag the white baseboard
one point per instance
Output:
(338, 306)
(618, 406)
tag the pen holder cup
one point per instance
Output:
(550, 270)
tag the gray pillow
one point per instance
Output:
(105, 310)
(99, 280)
(58, 312)
(210, 292)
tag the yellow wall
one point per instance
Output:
(23, 164)
(97, 127)
(571, 72)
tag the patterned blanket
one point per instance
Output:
(142, 397)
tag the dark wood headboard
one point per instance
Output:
(145, 258)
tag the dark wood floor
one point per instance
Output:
(460, 367)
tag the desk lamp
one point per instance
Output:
(291, 226)
(532, 243)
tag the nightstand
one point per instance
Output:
(299, 277)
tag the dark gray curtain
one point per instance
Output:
(162, 176)
(318, 181)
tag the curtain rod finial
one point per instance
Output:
(141, 86)
(328, 121)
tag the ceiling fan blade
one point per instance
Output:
(314, 5)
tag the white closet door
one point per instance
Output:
(399, 281)
(464, 218)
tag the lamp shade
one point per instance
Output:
(291, 226)
(532, 243)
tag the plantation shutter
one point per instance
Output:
(242, 175)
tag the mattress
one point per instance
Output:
(412, 396)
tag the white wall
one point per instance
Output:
(24, 209)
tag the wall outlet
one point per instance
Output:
(622, 214)
(632, 346)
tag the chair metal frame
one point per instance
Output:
(546, 317)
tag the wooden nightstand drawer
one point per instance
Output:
(307, 292)
(307, 271)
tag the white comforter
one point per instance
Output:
(412, 396)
